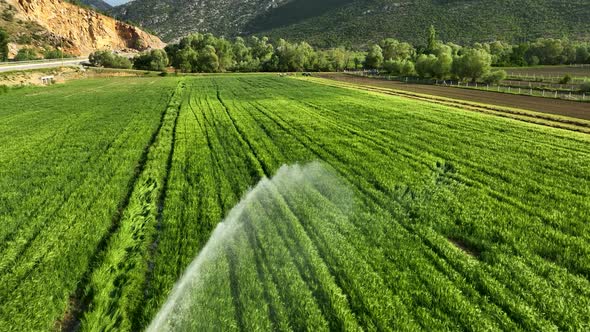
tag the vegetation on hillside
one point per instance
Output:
(95, 5)
(460, 21)
(356, 23)
(23, 32)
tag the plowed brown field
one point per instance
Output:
(573, 109)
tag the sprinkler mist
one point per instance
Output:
(272, 211)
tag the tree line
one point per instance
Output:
(448, 60)
(206, 53)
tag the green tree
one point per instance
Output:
(567, 79)
(582, 54)
(494, 77)
(399, 67)
(208, 61)
(243, 56)
(517, 56)
(441, 68)
(501, 53)
(261, 49)
(156, 60)
(549, 51)
(337, 57)
(55, 54)
(225, 55)
(425, 64)
(431, 46)
(434, 66)
(185, 60)
(374, 58)
(394, 50)
(294, 57)
(474, 63)
(3, 45)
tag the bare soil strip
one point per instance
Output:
(566, 108)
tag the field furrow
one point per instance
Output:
(257, 202)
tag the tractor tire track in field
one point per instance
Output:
(46, 223)
(244, 138)
(307, 268)
(161, 203)
(267, 279)
(80, 300)
(320, 295)
(40, 255)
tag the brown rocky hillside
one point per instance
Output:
(49, 24)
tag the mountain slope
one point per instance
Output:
(47, 24)
(357, 22)
(176, 18)
(461, 21)
(98, 4)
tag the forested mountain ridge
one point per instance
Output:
(172, 19)
(97, 4)
(358, 22)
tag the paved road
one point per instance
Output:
(51, 64)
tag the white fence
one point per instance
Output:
(528, 91)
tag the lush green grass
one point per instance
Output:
(69, 155)
(436, 218)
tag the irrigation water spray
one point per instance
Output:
(271, 201)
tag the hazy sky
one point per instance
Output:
(116, 2)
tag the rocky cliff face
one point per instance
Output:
(82, 31)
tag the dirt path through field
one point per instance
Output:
(544, 105)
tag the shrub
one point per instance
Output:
(25, 54)
(109, 60)
(8, 16)
(156, 60)
(567, 79)
(585, 87)
(494, 77)
(55, 54)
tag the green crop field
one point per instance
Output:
(287, 205)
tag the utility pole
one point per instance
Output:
(61, 51)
